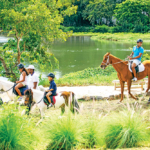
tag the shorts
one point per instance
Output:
(23, 83)
(136, 61)
(50, 93)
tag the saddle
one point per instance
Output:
(138, 68)
(22, 90)
(53, 99)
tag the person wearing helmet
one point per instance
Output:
(33, 78)
(52, 89)
(22, 81)
(136, 56)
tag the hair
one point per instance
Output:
(24, 69)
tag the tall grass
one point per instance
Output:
(64, 133)
(125, 129)
(15, 130)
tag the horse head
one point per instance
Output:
(106, 61)
(28, 97)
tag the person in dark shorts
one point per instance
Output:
(52, 89)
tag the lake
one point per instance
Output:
(80, 52)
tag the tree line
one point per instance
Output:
(123, 15)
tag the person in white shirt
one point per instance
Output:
(33, 78)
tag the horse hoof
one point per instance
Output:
(137, 98)
(119, 102)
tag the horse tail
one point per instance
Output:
(75, 104)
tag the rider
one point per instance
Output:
(22, 81)
(52, 88)
(33, 78)
(136, 56)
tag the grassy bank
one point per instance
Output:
(125, 37)
(122, 37)
(89, 76)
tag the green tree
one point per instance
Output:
(99, 10)
(37, 21)
(133, 12)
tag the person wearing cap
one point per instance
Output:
(22, 81)
(33, 78)
(52, 88)
(136, 56)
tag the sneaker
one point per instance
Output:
(50, 105)
(134, 79)
(20, 98)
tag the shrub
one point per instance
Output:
(91, 134)
(125, 130)
(63, 134)
(15, 131)
(101, 29)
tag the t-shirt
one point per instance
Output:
(53, 86)
(33, 78)
(137, 51)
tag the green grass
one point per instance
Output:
(125, 129)
(64, 133)
(122, 37)
(16, 132)
(89, 76)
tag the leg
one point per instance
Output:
(133, 69)
(47, 95)
(62, 109)
(129, 88)
(122, 89)
(17, 88)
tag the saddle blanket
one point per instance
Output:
(22, 90)
(53, 99)
(139, 68)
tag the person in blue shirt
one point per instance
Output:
(136, 56)
(52, 89)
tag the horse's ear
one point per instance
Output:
(108, 53)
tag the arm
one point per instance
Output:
(130, 57)
(137, 56)
(24, 75)
(34, 85)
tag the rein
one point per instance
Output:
(6, 90)
(107, 63)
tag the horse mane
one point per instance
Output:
(124, 62)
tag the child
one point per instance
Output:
(22, 81)
(52, 88)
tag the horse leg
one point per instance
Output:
(143, 96)
(122, 89)
(42, 116)
(129, 89)
(62, 109)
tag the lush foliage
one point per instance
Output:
(94, 76)
(125, 130)
(34, 25)
(16, 132)
(123, 15)
(133, 13)
(64, 134)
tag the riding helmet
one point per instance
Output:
(51, 75)
(20, 66)
(139, 40)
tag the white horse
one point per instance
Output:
(7, 94)
(62, 99)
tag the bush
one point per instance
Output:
(15, 131)
(63, 134)
(125, 130)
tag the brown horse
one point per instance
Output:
(123, 72)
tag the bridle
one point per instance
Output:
(108, 63)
